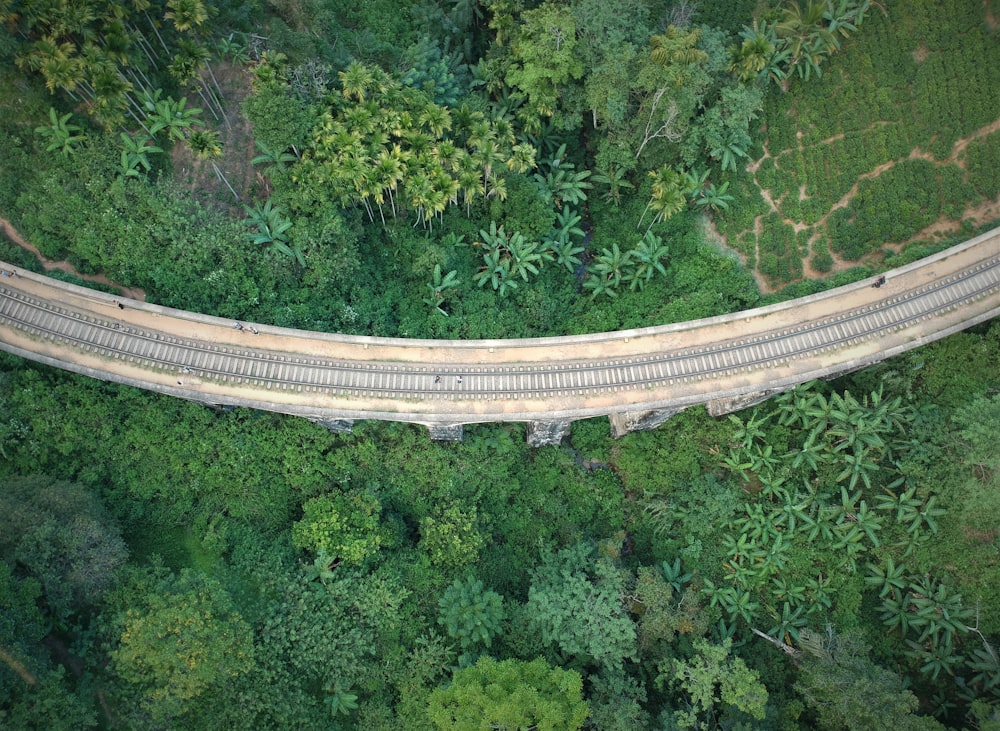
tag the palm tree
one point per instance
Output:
(436, 119)
(388, 172)
(677, 46)
(470, 182)
(668, 195)
(806, 36)
(751, 59)
(356, 80)
(59, 64)
(206, 146)
(522, 158)
(186, 14)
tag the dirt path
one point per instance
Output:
(64, 266)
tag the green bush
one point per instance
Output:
(982, 161)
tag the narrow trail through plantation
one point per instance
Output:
(978, 214)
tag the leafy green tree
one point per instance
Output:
(450, 535)
(32, 694)
(343, 527)
(617, 701)
(321, 647)
(610, 36)
(665, 607)
(715, 684)
(978, 423)
(470, 615)
(576, 602)
(543, 60)
(510, 695)
(426, 68)
(22, 628)
(180, 638)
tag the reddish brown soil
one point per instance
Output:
(64, 266)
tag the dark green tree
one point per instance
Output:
(470, 615)
(61, 534)
(848, 690)
(576, 602)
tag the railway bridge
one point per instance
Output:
(638, 378)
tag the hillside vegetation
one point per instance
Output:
(499, 168)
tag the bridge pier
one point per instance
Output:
(547, 433)
(446, 432)
(723, 406)
(337, 426)
(629, 421)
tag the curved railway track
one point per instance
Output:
(462, 382)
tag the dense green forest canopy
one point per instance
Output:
(500, 168)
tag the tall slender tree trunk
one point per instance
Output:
(222, 177)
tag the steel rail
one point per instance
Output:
(443, 381)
